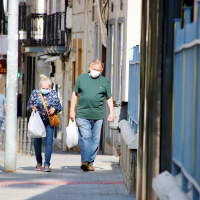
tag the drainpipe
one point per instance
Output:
(11, 88)
(88, 24)
(100, 21)
(2, 15)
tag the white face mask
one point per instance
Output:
(94, 74)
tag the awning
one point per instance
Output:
(55, 49)
(45, 56)
(52, 59)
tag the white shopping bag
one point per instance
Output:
(36, 128)
(72, 134)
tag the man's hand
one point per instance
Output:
(4, 117)
(52, 111)
(72, 115)
(34, 108)
(110, 117)
(110, 104)
(73, 106)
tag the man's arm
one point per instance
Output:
(73, 106)
(4, 110)
(110, 105)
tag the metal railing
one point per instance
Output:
(24, 143)
(45, 30)
(133, 98)
(186, 103)
(36, 29)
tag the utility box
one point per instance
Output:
(120, 112)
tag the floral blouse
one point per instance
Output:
(51, 100)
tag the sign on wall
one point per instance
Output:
(2, 66)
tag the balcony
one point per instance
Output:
(44, 30)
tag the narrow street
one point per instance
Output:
(65, 181)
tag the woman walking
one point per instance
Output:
(53, 105)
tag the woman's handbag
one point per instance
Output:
(53, 119)
(72, 134)
(36, 128)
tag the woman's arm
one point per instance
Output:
(56, 105)
(31, 102)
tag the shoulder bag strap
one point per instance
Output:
(45, 107)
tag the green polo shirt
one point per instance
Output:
(92, 93)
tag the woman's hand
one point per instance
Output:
(34, 108)
(52, 111)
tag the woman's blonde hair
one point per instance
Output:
(94, 62)
(45, 79)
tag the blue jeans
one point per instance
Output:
(1, 121)
(89, 137)
(48, 146)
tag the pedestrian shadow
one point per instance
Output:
(87, 190)
(68, 181)
(1, 168)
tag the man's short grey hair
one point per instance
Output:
(45, 79)
(95, 62)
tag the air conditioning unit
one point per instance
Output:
(22, 35)
(120, 113)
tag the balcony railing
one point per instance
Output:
(133, 98)
(186, 106)
(35, 27)
(45, 30)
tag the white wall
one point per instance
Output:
(56, 6)
(3, 44)
(133, 31)
(130, 15)
(42, 68)
(36, 6)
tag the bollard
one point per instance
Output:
(3, 136)
(25, 136)
(33, 150)
(29, 146)
(3, 140)
(21, 135)
(18, 133)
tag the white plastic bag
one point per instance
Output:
(36, 128)
(72, 134)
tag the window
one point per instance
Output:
(111, 62)
(111, 55)
(96, 42)
(120, 59)
(3, 23)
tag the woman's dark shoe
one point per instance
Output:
(84, 166)
(47, 169)
(38, 167)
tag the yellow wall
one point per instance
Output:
(2, 83)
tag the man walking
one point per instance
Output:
(2, 105)
(90, 89)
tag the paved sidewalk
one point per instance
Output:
(66, 181)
